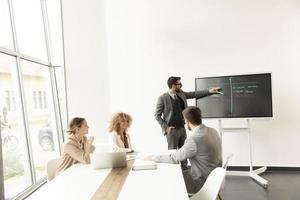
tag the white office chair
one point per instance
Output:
(212, 185)
(51, 168)
(225, 164)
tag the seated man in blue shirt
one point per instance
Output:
(203, 150)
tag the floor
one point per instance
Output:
(283, 185)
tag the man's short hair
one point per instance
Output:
(172, 80)
(193, 115)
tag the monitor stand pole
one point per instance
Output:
(254, 174)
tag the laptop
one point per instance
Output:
(103, 160)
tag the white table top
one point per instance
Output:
(165, 182)
(80, 182)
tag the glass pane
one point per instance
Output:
(54, 16)
(6, 40)
(41, 117)
(15, 158)
(60, 78)
(30, 28)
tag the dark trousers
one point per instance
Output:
(192, 186)
(176, 139)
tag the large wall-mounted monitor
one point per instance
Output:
(242, 96)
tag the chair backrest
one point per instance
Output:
(225, 164)
(226, 161)
(212, 185)
(51, 168)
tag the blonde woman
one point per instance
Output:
(118, 127)
(78, 147)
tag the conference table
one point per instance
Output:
(82, 182)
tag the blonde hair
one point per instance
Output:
(115, 121)
(75, 123)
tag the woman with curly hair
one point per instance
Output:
(118, 127)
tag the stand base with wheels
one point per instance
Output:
(254, 174)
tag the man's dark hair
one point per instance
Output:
(193, 115)
(172, 80)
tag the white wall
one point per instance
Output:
(148, 41)
(86, 63)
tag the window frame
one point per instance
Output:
(54, 90)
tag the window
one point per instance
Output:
(29, 28)
(10, 100)
(39, 100)
(14, 153)
(32, 103)
(6, 39)
(41, 122)
(35, 100)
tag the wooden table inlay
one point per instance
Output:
(113, 183)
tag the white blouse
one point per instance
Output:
(118, 144)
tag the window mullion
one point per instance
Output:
(26, 122)
(52, 74)
(24, 56)
(13, 26)
(64, 60)
(58, 113)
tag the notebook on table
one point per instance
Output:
(144, 165)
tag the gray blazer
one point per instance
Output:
(203, 149)
(164, 109)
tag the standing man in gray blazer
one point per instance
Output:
(203, 149)
(169, 109)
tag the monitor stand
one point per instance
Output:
(254, 174)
